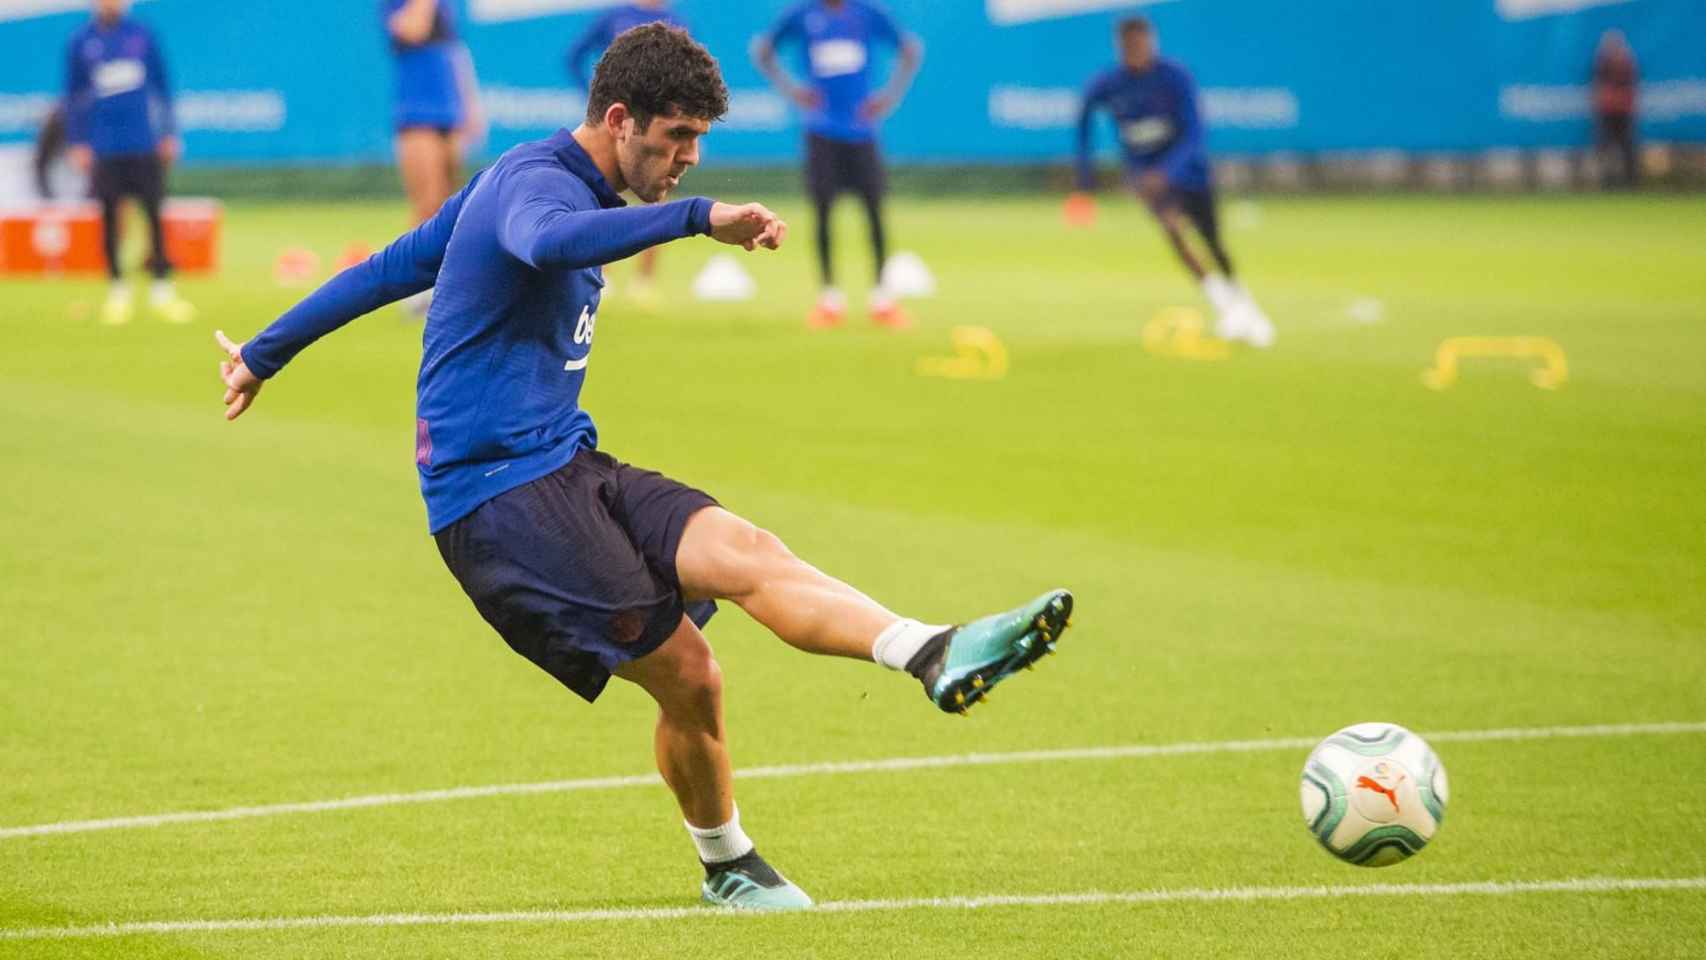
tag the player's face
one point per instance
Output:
(1137, 49)
(654, 161)
(111, 9)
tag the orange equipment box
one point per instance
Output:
(67, 239)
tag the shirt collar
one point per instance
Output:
(574, 157)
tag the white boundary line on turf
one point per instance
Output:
(1089, 898)
(893, 764)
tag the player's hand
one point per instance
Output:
(877, 106)
(241, 385)
(806, 98)
(170, 149)
(82, 158)
(1080, 209)
(749, 225)
(1152, 185)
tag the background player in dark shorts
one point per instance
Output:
(1154, 103)
(836, 40)
(122, 131)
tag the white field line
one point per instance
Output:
(1583, 885)
(893, 764)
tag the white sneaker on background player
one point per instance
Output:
(1222, 294)
(1258, 329)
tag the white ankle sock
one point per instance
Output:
(900, 642)
(720, 844)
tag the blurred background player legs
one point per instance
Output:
(1183, 210)
(433, 90)
(831, 167)
(834, 40)
(1153, 101)
(122, 131)
(581, 56)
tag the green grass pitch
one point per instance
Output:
(197, 615)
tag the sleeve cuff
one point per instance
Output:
(261, 370)
(699, 216)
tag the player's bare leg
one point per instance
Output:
(428, 161)
(727, 558)
(691, 743)
(724, 557)
(425, 160)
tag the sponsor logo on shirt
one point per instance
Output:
(837, 58)
(117, 77)
(584, 329)
(1146, 134)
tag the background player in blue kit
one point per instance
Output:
(599, 35)
(435, 100)
(1154, 104)
(836, 40)
(585, 565)
(123, 133)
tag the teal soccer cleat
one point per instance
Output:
(748, 883)
(960, 666)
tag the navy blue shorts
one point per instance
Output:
(833, 166)
(576, 570)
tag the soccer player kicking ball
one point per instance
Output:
(586, 565)
(1154, 102)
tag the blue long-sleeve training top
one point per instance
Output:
(118, 100)
(604, 31)
(1160, 126)
(517, 259)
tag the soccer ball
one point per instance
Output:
(1373, 794)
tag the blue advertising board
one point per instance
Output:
(295, 81)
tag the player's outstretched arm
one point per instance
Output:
(406, 267)
(541, 228)
(763, 53)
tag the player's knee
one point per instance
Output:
(697, 695)
(755, 555)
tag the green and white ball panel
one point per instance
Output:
(1373, 794)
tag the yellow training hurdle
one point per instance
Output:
(1554, 368)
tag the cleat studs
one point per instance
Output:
(977, 683)
(959, 699)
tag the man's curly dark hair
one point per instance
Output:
(658, 70)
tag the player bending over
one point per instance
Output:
(586, 565)
(1154, 103)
